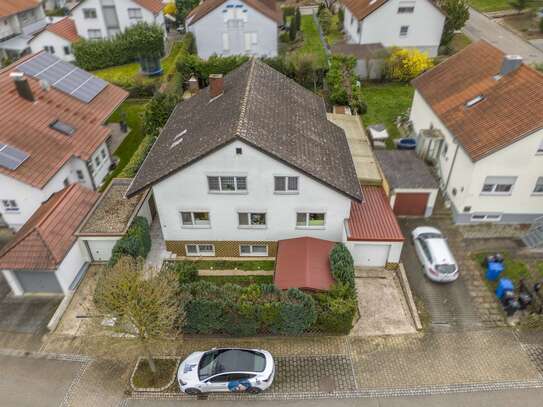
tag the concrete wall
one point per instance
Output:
(187, 190)
(209, 32)
(47, 38)
(70, 266)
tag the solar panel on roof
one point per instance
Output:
(64, 76)
(10, 157)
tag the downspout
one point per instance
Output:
(90, 176)
(452, 166)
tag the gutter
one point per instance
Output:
(452, 165)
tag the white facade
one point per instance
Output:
(187, 190)
(235, 28)
(106, 18)
(54, 44)
(463, 179)
(16, 29)
(401, 23)
(28, 198)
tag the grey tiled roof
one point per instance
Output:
(403, 169)
(265, 109)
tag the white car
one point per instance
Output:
(226, 370)
(434, 253)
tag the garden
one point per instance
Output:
(499, 5)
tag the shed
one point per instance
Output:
(304, 263)
(369, 58)
(412, 186)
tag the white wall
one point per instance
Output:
(47, 38)
(70, 266)
(209, 31)
(188, 190)
(383, 26)
(394, 250)
(100, 247)
(101, 170)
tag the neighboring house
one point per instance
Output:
(57, 39)
(489, 109)
(253, 160)
(45, 256)
(235, 27)
(401, 23)
(96, 19)
(19, 20)
(53, 132)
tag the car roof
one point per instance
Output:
(440, 251)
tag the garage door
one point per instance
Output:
(38, 282)
(411, 204)
(101, 249)
(369, 255)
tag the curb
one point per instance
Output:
(154, 389)
(409, 296)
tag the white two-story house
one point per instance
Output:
(235, 27)
(96, 19)
(489, 109)
(56, 38)
(52, 118)
(400, 23)
(251, 161)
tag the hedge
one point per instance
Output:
(142, 39)
(194, 65)
(336, 309)
(137, 158)
(157, 112)
(342, 265)
(342, 83)
(136, 242)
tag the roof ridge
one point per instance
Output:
(243, 106)
(46, 245)
(63, 193)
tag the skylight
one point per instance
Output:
(11, 157)
(178, 139)
(62, 127)
(474, 101)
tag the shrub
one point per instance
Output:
(336, 309)
(131, 168)
(186, 272)
(342, 84)
(157, 112)
(135, 243)
(341, 18)
(194, 65)
(288, 11)
(297, 312)
(325, 20)
(405, 64)
(342, 265)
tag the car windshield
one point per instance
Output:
(446, 268)
(430, 236)
(230, 360)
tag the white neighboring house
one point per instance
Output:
(489, 109)
(49, 139)
(235, 27)
(401, 23)
(57, 39)
(253, 160)
(96, 19)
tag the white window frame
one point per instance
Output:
(86, 11)
(133, 14)
(10, 206)
(307, 215)
(195, 225)
(199, 252)
(221, 191)
(94, 31)
(486, 217)
(495, 185)
(80, 175)
(252, 253)
(49, 48)
(67, 50)
(103, 153)
(287, 191)
(538, 183)
(250, 225)
(402, 35)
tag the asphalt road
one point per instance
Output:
(481, 27)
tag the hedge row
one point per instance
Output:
(342, 265)
(135, 243)
(142, 39)
(132, 167)
(342, 83)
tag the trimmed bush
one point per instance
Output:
(194, 65)
(336, 309)
(342, 84)
(342, 265)
(137, 158)
(135, 243)
(157, 112)
(186, 272)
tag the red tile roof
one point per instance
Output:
(64, 28)
(303, 263)
(154, 6)
(25, 126)
(373, 218)
(512, 107)
(10, 7)
(45, 239)
(362, 8)
(267, 7)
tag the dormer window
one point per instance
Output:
(475, 100)
(62, 127)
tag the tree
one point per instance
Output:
(457, 13)
(325, 20)
(183, 8)
(298, 19)
(292, 29)
(144, 307)
(519, 5)
(329, 4)
(157, 112)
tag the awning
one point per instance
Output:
(19, 43)
(304, 263)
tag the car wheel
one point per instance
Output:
(192, 391)
(254, 390)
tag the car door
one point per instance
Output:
(423, 253)
(217, 383)
(240, 382)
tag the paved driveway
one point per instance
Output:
(481, 27)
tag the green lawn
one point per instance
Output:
(514, 270)
(386, 102)
(311, 41)
(134, 111)
(496, 5)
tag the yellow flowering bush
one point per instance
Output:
(406, 64)
(170, 9)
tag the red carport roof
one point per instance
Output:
(373, 218)
(304, 262)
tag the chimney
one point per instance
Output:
(510, 63)
(194, 87)
(216, 85)
(22, 86)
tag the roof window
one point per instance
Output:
(475, 100)
(62, 127)
(178, 139)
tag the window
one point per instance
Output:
(488, 217)
(540, 148)
(80, 175)
(445, 149)
(89, 13)
(91, 168)
(253, 250)
(200, 250)
(10, 205)
(97, 161)
(95, 34)
(406, 7)
(498, 185)
(404, 29)
(227, 184)
(103, 153)
(49, 48)
(225, 42)
(67, 50)
(239, 151)
(352, 20)
(62, 127)
(539, 186)
(134, 13)
(251, 39)
(310, 219)
(195, 219)
(284, 184)
(359, 27)
(252, 219)
(66, 182)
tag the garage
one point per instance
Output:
(367, 255)
(38, 281)
(410, 184)
(100, 250)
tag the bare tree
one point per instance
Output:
(144, 307)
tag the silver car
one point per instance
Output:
(434, 254)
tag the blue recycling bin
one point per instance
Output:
(504, 285)
(493, 270)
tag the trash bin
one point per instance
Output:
(493, 271)
(504, 285)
